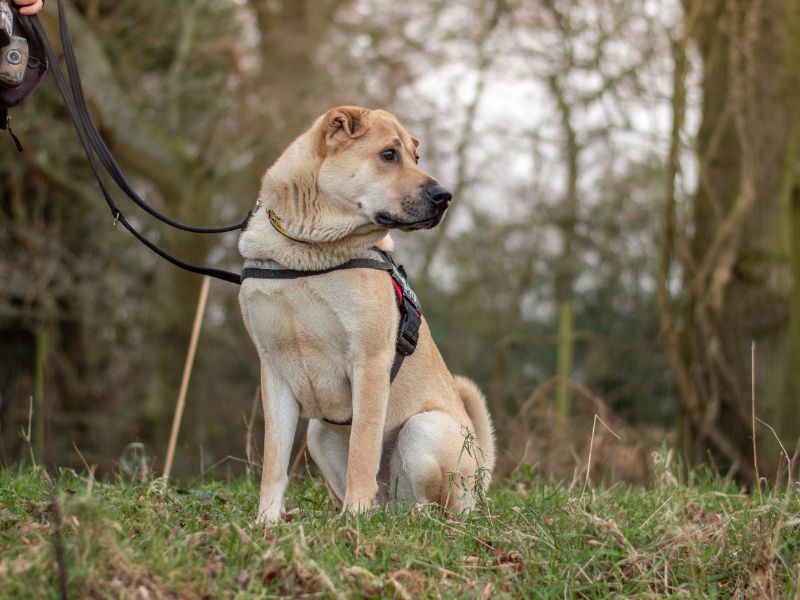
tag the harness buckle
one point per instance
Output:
(408, 330)
(407, 342)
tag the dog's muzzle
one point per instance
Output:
(435, 198)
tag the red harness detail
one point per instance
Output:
(398, 290)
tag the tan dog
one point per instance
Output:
(327, 342)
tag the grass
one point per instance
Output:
(533, 538)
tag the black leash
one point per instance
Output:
(100, 146)
(95, 147)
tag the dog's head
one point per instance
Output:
(369, 167)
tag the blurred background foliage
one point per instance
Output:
(625, 223)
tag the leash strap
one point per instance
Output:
(95, 147)
(99, 145)
(5, 123)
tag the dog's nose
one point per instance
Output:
(437, 195)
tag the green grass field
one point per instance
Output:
(533, 538)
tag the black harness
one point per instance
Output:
(407, 302)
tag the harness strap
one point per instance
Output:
(407, 336)
(407, 302)
(356, 263)
(410, 315)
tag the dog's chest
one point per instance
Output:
(307, 332)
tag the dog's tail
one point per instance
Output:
(475, 405)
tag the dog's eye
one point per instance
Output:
(389, 155)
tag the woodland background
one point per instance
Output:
(625, 224)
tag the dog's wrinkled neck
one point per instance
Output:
(317, 232)
(304, 213)
(262, 240)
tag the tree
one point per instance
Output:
(193, 124)
(737, 240)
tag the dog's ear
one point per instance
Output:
(341, 124)
(350, 120)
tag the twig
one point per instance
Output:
(478, 540)
(591, 447)
(80, 454)
(250, 442)
(89, 470)
(218, 463)
(753, 414)
(300, 453)
(400, 589)
(187, 373)
(242, 534)
(28, 437)
(444, 571)
(777, 439)
(656, 511)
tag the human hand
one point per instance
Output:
(29, 7)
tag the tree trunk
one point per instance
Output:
(742, 273)
(565, 265)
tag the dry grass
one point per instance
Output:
(618, 451)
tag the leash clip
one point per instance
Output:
(7, 126)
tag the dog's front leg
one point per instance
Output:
(370, 398)
(280, 421)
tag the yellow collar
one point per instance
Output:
(276, 223)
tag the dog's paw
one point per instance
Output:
(269, 515)
(359, 507)
(265, 519)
